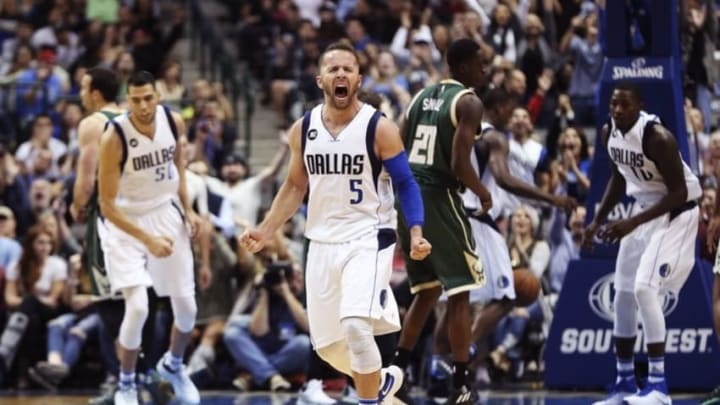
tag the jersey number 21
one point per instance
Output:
(423, 147)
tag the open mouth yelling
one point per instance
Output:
(341, 91)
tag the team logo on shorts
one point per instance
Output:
(602, 298)
(664, 270)
(133, 142)
(312, 134)
(383, 297)
(503, 282)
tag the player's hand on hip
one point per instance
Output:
(160, 246)
(589, 235)
(253, 240)
(713, 232)
(420, 248)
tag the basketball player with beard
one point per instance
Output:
(350, 157)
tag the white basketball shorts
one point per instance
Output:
(659, 253)
(495, 257)
(350, 279)
(129, 263)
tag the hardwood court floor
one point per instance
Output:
(263, 398)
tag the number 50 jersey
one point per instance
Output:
(350, 194)
(429, 131)
(149, 176)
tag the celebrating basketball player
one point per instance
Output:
(657, 245)
(145, 235)
(490, 160)
(345, 150)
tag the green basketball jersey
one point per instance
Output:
(94, 259)
(429, 132)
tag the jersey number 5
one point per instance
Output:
(423, 147)
(355, 187)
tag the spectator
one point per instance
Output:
(572, 167)
(39, 87)
(33, 293)
(581, 41)
(40, 140)
(10, 249)
(272, 341)
(169, 85)
(244, 190)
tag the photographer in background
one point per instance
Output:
(270, 340)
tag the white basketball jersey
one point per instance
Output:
(350, 193)
(642, 178)
(149, 177)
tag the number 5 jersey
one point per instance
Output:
(351, 195)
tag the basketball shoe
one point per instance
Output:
(126, 396)
(622, 389)
(313, 394)
(653, 394)
(463, 395)
(392, 380)
(184, 389)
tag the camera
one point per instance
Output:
(276, 272)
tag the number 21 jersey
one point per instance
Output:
(350, 194)
(429, 131)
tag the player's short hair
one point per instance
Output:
(496, 97)
(340, 46)
(460, 52)
(141, 78)
(631, 87)
(105, 81)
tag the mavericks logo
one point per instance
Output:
(637, 70)
(602, 295)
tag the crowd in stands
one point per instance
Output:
(252, 328)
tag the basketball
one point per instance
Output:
(527, 287)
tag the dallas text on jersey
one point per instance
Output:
(627, 157)
(333, 163)
(154, 158)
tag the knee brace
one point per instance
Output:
(185, 311)
(653, 319)
(338, 356)
(136, 313)
(625, 314)
(364, 353)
